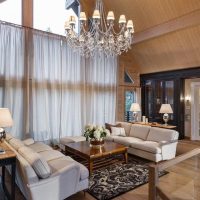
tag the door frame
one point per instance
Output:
(194, 108)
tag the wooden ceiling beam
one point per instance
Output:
(185, 21)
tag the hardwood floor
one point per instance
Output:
(182, 183)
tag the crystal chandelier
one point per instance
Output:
(100, 35)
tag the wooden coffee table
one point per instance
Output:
(90, 154)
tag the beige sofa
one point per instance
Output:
(44, 173)
(151, 143)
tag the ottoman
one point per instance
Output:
(70, 139)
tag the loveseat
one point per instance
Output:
(152, 143)
(45, 173)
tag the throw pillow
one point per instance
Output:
(38, 163)
(108, 126)
(118, 131)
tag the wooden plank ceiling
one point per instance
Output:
(167, 32)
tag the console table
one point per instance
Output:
(8, 158)
(156, 125)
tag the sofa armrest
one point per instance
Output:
(55, 185)
(168, 150)
(162, 143)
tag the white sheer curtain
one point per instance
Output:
(65, 91)
(101, 81)
(46, 87)
(12, 41)
(73, 85)
(68, 92)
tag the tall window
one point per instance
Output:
(50, 15)
(10, 11)
(130, 97)
(63, 92)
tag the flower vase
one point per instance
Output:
(97, 143)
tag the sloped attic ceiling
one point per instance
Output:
(167, 32)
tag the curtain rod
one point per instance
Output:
(30, 28)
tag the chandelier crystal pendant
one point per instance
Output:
(101, 35)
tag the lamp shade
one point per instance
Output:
(166, 108)
(135, 107)
(5, 118)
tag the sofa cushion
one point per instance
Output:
(149, 146)
(108, 126)
(39, 147)
(161, 134)
(126, 126)
(127, 141)
(117, 131)
(60, 163)
(28, 141)
(111, 138)
(139, 131)
(51, 155)
(71, 139)
(16, 143)
(38, 163)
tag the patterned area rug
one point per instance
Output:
(114, 180)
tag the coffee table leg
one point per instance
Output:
(126, 157)
(90, 167)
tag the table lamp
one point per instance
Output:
(135, 108)
(166, 109)
(5, 121)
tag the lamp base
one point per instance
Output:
(2, 134)
(165, 118)
(135, 116)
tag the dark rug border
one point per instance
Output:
(165, 173)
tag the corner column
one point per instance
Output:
(27, 13)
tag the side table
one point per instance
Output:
(8, 158)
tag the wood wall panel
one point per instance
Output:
(185, 21)
(167, 46)
(149, 13)
(176, 50)
(87, 6)
(125, 65)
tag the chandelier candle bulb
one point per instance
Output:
(130, 24)
(96, 14)
(110, 15)
(83, 16)
(122, 19)
(67, 25)
(72, 20)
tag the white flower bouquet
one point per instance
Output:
(95, 132)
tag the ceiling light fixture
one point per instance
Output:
(100, 35)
